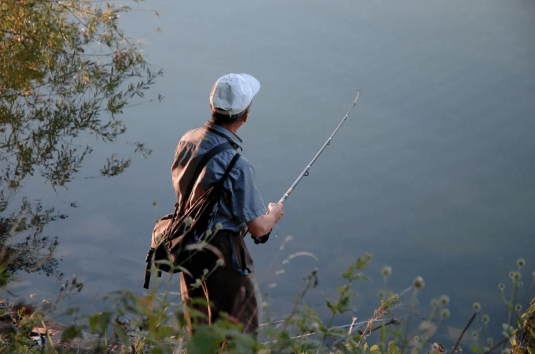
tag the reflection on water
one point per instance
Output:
(433, 173)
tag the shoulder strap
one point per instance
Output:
(229, 168)
(207, 157)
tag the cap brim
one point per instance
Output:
(254, 83)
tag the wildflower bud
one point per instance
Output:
(511, 274)
(386, 271)
(315, 326)
(485, 319)
(444, 299)
(418, 283)
(501, 286)
(507, 330)
(476, 306)
(220, 262)
(490, 341)
(188, 221)
(521, 263)
(434, 302)
(154, 203)
(416, 339)
(516, 275)
(218, 226)
(208, 233)
(519, 284)
(518, 307)
(435, 347)
(445, 313)
(381, 294)
(205, 271)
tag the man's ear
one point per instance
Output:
(245, 116)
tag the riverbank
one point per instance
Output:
(44, 331)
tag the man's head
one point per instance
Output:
(231, 97)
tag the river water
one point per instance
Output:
(433, 173)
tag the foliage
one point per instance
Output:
(61, 64)
(517, 330)
(155, 323)
(66, 71)
(526, 332)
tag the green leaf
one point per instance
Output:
(204, 340)
(362, 261)
(349, 273)
(103, 321)
(331, 306)
(165, 331)
(70, 333)
(93, 322)
(121, 334)
(342, 289)
(476, 349)
(362, 276)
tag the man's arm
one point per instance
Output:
(263, 224)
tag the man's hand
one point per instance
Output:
(263, 224)
(276, 210)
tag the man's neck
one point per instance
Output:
(233, 127)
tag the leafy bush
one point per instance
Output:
(154, 323)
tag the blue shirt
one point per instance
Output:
(241, 201)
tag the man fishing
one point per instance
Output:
(229, 285)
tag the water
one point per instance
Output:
(433, 173)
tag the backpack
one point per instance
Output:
(175, 236)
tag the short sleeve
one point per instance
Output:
(247, 203)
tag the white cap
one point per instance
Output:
(233, 93)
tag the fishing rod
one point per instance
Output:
(328, 142)
(305, 172)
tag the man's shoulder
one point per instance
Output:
(244, 162)
(193, 134)
(223, 159)
(229, 154)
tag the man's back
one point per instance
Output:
(242, 201)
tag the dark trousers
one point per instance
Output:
(226, 288)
